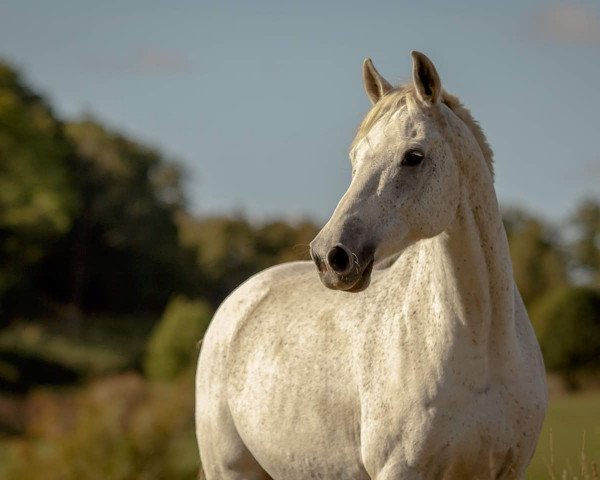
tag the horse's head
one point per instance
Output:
(405, 177)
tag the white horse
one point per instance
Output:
(433, 371)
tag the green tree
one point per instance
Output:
(229, 250)
(567, 324)
(225, 252)
(38, 199)
(123, 252)
(585, 248)
(173, 343)
(279, 241)
(539, 263)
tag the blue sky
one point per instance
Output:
(259, 100)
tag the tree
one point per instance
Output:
(567, 324)
(123, 253)
(280, 242)
(585, 248)
(539, 263)
(38, 199)
(229, 250)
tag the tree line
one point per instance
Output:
(95, 222)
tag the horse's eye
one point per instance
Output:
(412, 158)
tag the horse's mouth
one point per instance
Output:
(363, 280)
(356, 281)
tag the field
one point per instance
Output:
(156, 440)
(570, 440)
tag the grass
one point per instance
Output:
(569, 445)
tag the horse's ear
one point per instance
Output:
(426, 79)
(375, 85)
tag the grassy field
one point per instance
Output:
(570, 440)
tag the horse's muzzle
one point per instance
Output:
(340, 269)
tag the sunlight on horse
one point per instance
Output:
(418, 361)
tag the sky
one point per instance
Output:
(259, 100)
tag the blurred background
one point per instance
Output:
(153, 155)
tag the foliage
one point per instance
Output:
(539, 264)
(38, 200)
(81, 210)
(567, 323)
(119, 428)
(41, 352)
(586, 245)
(229, 250)
(173, 343)
(123, 249)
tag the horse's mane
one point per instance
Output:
(405, 94)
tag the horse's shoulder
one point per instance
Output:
(246, 298)
(277, 277)
(288, 271)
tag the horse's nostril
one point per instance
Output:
(317, 259)
(339, 260)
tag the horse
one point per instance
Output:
(418, 361)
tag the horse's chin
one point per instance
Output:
(355, 284)
(364, 280)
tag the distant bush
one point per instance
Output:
(173, 343)
(567, 323)
(118, 428)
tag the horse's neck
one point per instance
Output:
(476, 259)
(467, 271)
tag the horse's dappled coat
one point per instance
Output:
(430, 368)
